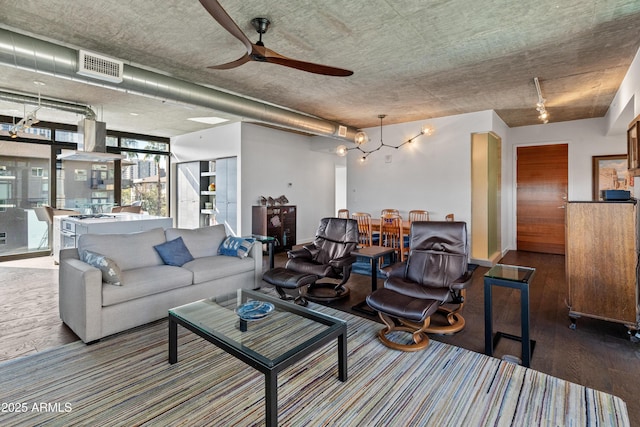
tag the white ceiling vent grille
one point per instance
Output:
(342, 131)
(99, 67)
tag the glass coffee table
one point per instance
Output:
(275, 335)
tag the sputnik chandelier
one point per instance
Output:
(362, 138)
(29, 119)
(540, 108)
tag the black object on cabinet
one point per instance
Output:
(278, 222)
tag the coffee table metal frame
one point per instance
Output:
(337, 329)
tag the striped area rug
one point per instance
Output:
(126, 380)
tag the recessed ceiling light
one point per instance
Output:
(208, 120)
(133, 114)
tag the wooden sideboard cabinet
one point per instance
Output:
(602, 261)
(275, 221)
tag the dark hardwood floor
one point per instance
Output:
(597, 354)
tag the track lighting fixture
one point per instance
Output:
(540, 108)
(362, 138)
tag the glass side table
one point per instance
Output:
(270, 242)
(515, 277)
(373, 254)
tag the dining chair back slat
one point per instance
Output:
(418, 215)
(365, 234)
(392, 234)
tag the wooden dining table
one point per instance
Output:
(406, 225)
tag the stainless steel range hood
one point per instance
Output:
(95, 144)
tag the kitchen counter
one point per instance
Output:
(69, 228)
(113, 217)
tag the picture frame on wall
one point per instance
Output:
(610, 172)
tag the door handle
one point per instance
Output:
(562, 207)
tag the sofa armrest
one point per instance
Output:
(80, 298)
(256, 254)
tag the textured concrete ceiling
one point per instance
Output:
(412, 59)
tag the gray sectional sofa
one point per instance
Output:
(146, 287)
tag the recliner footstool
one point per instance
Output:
(282, 279)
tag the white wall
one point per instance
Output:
(434, 172)
(275, 163)
(431, 173)
(626, 103)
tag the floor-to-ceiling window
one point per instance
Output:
(144, 174)
(24, 185)
(32, 176)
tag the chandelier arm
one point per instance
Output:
(366, 153)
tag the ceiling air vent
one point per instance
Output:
(99, 67)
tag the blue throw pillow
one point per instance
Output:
(174, 252)
(236, 246)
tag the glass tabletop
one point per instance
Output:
(285, 330)
(263, 239)
(514, 273)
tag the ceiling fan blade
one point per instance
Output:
(276, 58)
(221, 16)
(233, 64)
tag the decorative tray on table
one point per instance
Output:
(254, 310)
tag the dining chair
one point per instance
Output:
(46, 214)
(343, 213)
(392, 234)
(390, 212)
(449, 217)
(418, 215)
(132, 209)
(365, 234)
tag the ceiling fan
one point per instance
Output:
(257, 51)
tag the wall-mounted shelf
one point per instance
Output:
(212, 199)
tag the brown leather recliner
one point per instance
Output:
(434, 276)
(329, 256)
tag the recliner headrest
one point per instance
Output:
(441, 236)
(342, 230)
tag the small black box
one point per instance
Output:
(616, 195)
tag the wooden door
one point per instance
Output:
(541, 182)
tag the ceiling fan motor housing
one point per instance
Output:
(261, 24)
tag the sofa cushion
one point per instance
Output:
(111, 273)
(236, 246)
(174, 252)
(129, 251)
(141, 282)
(201, 242)
(215, 267)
